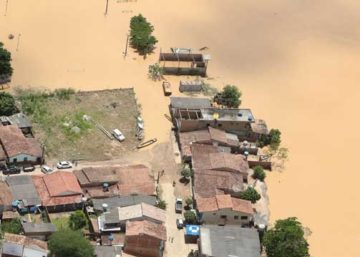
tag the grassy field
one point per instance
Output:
(58, 122)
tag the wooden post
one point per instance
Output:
(18, 42)
(107, 6)
(6, 7)
(127, 43)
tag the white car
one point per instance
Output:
(46, 169)
(64, 165)
(118, 135)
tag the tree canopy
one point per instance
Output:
(77, 220)
(250, 194)
(259, 173)
(187, 172)
(65, 243)
(7, 104)
(190, 217)
(286, 239)
(5, 64)
(140, 35)
(273, 139)
(229, 97)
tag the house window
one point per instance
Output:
(244, 217)
(25, 159)
(223, 216)
(214, 213)
(236, 217)
(15, 160)
(219, 125)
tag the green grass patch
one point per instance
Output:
(61, 223)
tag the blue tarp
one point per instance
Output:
(192, 230)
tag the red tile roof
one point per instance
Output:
(26, 241)
(138, 228)
(58, 188)
(219, 202)
(208, 157)
(208, 183)
(127, 180)
(14, 142)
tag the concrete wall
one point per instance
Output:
(25, 158)
(215, 217)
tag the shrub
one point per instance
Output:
(64, 93)
(156, 71)
(187, 172)
(286, 239)
(229, 97)
(14, 226)
(5, 64)
(189, 201)
(251, 195)
(7, 104)
(140, 35)
(273, 139)
(77, 220)
(162, 204)
(259, 173)
(190, 217)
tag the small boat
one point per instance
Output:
(146, 143)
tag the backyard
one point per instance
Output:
(67, 122)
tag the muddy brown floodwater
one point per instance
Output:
(296, 62)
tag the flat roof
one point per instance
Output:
(22, 188)
(189, 102)
(229, 240)
(123, 201)
(227, 114)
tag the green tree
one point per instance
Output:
(190, 217)
(161, 204)
(250, 194)
(286, 239)
(230, 97)
(5, 64)
(65, 243)
(189, 201)
(140, 35)
(7, 104)
(259, 173)
(273, 139)
(14, 226)
(155, 72)
(187, 172)
(77, 220)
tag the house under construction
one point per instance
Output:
(181, 61)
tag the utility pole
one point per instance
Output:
(6, 6)
(107, 6)
(127, 43)
(18, 42)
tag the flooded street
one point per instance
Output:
(296, 62)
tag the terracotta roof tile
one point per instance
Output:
(137, 228)
(58, 188)
(26, 241)
(219, 202)
(224, 201)
(14, 142)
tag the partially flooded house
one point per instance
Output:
(191, 114)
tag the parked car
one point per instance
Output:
(46, 169)
(179, 223)
(118, 135)
(178, 205)
(12, 170)
(64, 165)
(28, 168)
